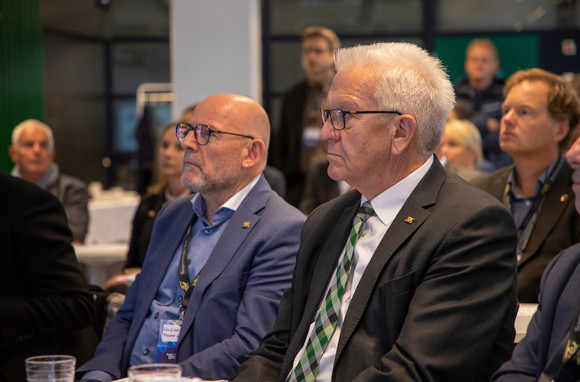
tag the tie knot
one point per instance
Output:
(365, 211)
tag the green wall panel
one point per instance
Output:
(21, 70)
(515, 52)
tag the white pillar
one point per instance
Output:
(215, 48)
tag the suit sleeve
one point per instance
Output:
(524, 363)
(269, 276)
(52, 296)
(75, 202)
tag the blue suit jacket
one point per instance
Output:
(236, 297)
(558, 305)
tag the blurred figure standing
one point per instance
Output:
(32, 152)
(297, 140)
(482, 93)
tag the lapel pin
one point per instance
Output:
(151, 213)
(246, 225)
(409, 220)
(563, 198)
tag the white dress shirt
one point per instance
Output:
(386, 206)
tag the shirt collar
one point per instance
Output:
(515, 190)
(388, 204)
(231, 205)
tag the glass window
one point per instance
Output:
(346, 16)
(135, 63)
(493, 15)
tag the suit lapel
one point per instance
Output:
(238, 228)
(556, 201)
(424, 195)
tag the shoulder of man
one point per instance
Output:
(493, 183)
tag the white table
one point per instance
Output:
(111, 219)
(100, 259)
(525, 313)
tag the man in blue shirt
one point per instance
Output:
(217, 263)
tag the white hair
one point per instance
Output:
(17, 132)
(407, 80)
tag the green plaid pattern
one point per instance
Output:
(327, 316)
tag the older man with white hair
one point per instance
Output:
(420, 283)
(32, 152)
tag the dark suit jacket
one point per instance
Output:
(45, 305)
(557, 227)
(558, 307)
(320, 188)
(437, 301)
(237, 294)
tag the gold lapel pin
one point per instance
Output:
(151, 213)
(246, 225)
(409, 220)
(563, 198)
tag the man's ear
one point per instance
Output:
(12, 153)
(405, 130)
(561, 129)
(255, 151)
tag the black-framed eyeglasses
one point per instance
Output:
(202, 132)
(337, 116)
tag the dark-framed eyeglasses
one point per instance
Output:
(337, 116)
(202, 132)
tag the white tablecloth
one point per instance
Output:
(525, 313)
(110, 220)
(100, 260)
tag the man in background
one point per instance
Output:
(297, 140)
(32, 152)
(481, 93)
(550, 351)
(539, 112)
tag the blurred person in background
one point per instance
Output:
(550, 351)
(169, 166)
(45, 304)
(539, 113)
(297, 139)
(460, 151)
(32, 152)
(482, 93)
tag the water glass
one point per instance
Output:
(50, 368)
(154, 372)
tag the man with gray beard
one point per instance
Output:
(217, 263)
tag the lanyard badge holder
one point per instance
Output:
(169, 329)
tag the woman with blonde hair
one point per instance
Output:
(461, 145)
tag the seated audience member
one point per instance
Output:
(429, 291)
(539, 112)
(481, 93)
(550, 349)
(33, 153)
(45, 305)
(217, 263)
(169, 166)
(460, 149)
(320, 188)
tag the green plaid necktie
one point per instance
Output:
(327, 316)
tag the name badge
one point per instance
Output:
(167, 341)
